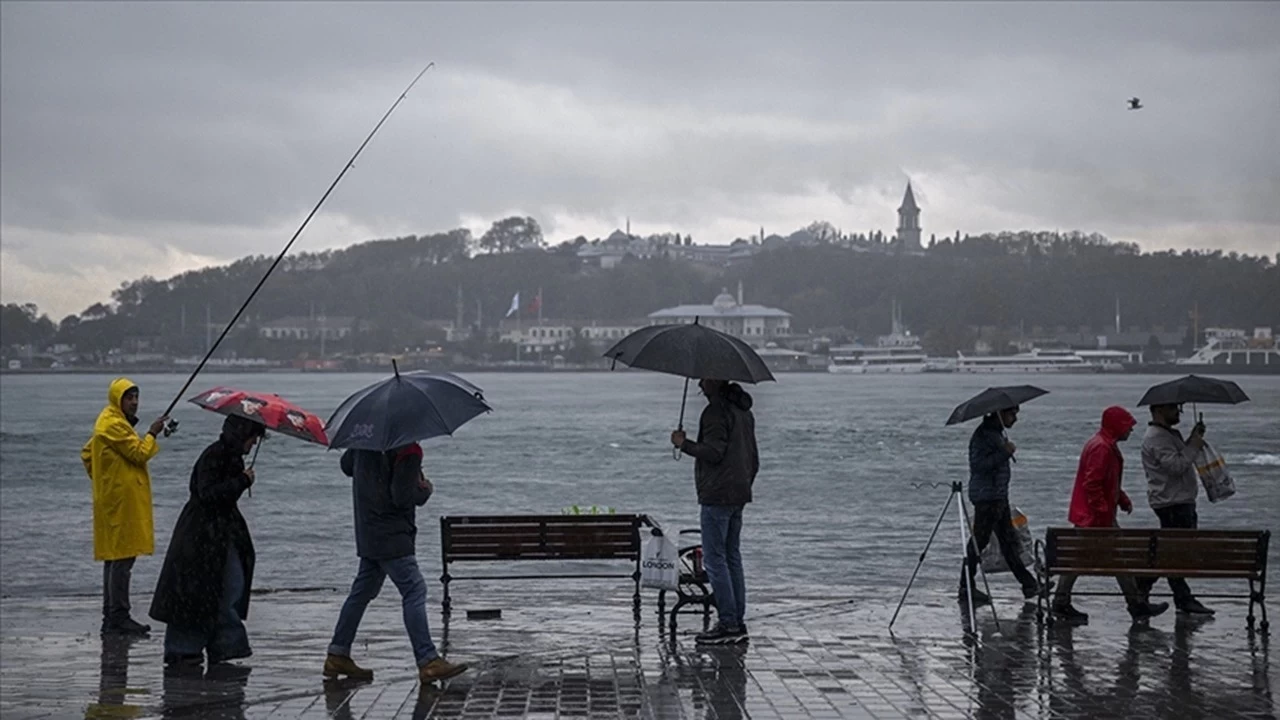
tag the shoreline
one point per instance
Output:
(1155, 369)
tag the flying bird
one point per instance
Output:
(1135, 104)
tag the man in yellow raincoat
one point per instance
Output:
(116, 460)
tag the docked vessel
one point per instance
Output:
(897, 352)
(1035, 361)
(1227, 351)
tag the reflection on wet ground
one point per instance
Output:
(563, 656)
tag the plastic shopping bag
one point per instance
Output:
(993, 560)
(659, 567)
(1212, 470)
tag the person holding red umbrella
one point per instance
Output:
(203, 590)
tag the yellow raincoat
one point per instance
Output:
(116, 460)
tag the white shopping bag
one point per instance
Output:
(659, 567)
(993, 559)
(1212, 470)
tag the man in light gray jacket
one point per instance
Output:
(1172, 487)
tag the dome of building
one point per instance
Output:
(724, 301)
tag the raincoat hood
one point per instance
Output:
(115, 393)
(736, 396)
(1116, 421)
(235, 430)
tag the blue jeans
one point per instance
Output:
(408, 579)
(722, 559)
(228, 639)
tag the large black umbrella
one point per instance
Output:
(404, 409)
(994, 400)
(690, 351)
(1194, 389)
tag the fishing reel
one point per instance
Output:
(171, 427)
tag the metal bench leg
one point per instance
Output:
(446, 605)
(1262, 604)
(636, 597)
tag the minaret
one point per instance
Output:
(909, 222)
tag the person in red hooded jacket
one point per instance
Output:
(1094, 500)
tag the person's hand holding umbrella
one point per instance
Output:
(691, 351)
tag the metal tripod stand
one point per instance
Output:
(957, 488)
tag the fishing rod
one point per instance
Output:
(173, 424)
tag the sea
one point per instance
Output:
(855, 471)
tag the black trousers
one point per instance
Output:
(994, 517)
(116, 576)
(1174, 516)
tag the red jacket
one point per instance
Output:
(1097, 491)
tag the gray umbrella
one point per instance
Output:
(404, 409)
(1194, 389)
(690, 351)
(994, 400)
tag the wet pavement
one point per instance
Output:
(557, 654)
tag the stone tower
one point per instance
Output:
(909, 222)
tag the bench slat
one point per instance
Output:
(1110, 571)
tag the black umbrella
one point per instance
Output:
(994, 400)
(690, 351)
(1194, 389)
(404, 409)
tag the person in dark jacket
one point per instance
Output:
(989, 454)
(725, 467)
(386, 489)
(203, 590)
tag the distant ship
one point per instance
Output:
(897, 352)
(1226, 352)
(1038, 360)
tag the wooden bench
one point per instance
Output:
(1157, 553)
(506, 538)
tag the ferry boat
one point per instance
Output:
(897, 352)
(1034, 361)
(1230, 351)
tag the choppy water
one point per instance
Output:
(837, 506)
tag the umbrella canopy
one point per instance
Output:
(1194, 389)
(994, 400)
(404, 409)
(268, 409)
(690, 351)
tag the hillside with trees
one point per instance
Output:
(393, 287)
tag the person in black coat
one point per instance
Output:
(203, 590)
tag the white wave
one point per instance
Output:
(1260, 459)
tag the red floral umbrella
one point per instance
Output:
(269, 409)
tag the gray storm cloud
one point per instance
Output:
(156, 137)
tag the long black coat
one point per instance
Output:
(190, 584)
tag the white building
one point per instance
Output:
(755, 324)
(307, 328)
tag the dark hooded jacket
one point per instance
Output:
(989, 462)
(385, 494)
(190, 584)
(725, 452)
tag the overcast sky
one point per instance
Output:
(158, 137)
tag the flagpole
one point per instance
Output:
(539, 306)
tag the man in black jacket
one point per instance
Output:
(387, 488)
(726, 463)
(990, 452)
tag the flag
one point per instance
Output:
(536, 304)
(515, 305)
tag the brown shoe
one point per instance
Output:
(440, 669)
(335, 665)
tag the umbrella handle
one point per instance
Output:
(684, 398)
(256, 447)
